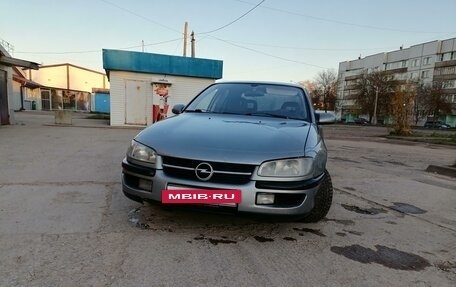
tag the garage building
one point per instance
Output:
(144, 85)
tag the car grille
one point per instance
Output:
(231, 173)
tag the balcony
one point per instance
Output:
(354, 77)
(445, 64)
(444, 77)
(397, 71)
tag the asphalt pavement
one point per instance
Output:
(65, 222)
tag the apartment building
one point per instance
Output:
(426, 62)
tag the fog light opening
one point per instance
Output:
(265, 198)
(145, 184)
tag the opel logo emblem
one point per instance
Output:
(204, 171)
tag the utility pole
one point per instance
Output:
(374, 119)
(142, 45)
(185, 38)
(193, 44)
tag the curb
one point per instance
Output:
(443, 170)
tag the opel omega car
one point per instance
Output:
(260, 138)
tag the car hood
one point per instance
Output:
(226, 138)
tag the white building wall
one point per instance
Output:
(398, 55)
(448, 45)
(58, 76)
(9, 87)
(55, 77)
(84, 80)
(182, 90)
(16, 96)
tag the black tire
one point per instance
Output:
(323, 200)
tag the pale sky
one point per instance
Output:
(280, 40)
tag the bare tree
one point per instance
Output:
(325, 92)
(434, 101)
(380, 85)
(311, 89)
(402, 107)
(421, 92)
(430, 100)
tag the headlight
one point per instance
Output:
(142, 153)
(293, 167)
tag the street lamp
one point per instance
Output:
(374, 118)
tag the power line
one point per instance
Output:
(235, 20)
(309, 48)
(142, 17)
(267, 54)
(96, 51)
(340, 22)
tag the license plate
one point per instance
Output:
(189, 195)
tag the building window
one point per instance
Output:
(413, 76)
(449, 84)
(451, 98)
(415, 62)
(396, 65)
(446, 56)
(453, 56)
(427, 61)
(424, 74)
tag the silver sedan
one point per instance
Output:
(260, 139)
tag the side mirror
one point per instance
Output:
(325, 118)
(177, 109)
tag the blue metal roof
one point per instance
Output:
(116, 60)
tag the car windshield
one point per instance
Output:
(266, 100)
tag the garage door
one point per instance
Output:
(135, 102)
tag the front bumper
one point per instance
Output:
(294, 198)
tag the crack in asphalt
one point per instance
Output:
(106, 208)
(392, 209)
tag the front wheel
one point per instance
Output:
(322, 201)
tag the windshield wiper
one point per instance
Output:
(268, 115)
(227, 113)
(274, 116)
(196, 111)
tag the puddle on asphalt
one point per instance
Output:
(388, 257)
(219, 229)
(135, 219)
(369, 211)
(213, 241)
(212, 228)
(407, 208)
(309, 230)
(289, 238)
(263, 239)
